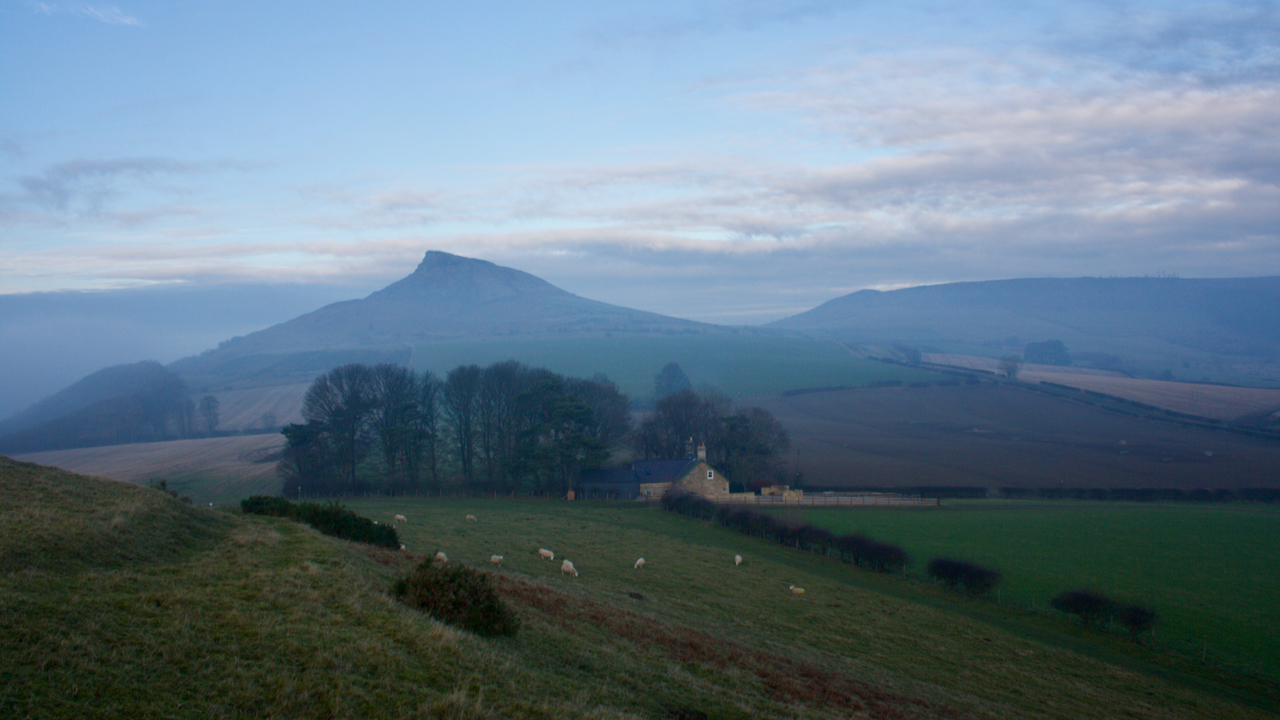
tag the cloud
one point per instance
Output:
(109, 14)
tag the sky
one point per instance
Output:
(731, 162)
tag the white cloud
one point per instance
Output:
(109, 14)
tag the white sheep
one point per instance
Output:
(737, 559)
(495, 559)
(402, 547)
(471, 518)
(401, 519)
(442, 557)
(796, 590)
(640, 563)
(546, 554)
(567, 568)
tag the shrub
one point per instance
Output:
(1136, 618)
(975, 579)
(458, 595)
(1093, 608)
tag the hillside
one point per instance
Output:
(1197, 329)
(146, 607)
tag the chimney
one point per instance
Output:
(702, 452)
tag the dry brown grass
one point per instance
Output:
(215, 469)
(1219, 402)
(243, 409)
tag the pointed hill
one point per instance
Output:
(446, 298)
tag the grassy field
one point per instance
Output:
(117, 601)
(1211, 571)
(739, 365)
(1003, 436)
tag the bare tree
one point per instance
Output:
(339, 403)
(461, 397)
(1009, 365)
(208, 410)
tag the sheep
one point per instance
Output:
(442, 557)
(495, 559)
(402, 547)
(567, 568)
(471, 518)
(737, 559)
(795, 590)
(401, 519)
(546, 554)
(640, 563)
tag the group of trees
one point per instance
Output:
(747, 444)
(504, 426)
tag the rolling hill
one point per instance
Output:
(1196, 329)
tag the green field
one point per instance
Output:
(117, 601)
(1211, 571)
(739, 365)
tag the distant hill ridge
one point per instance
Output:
(1197, 328)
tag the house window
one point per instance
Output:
(711, 474)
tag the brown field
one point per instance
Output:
(220, 470)
(1003, 436)
(241, 410)
(1219, 402)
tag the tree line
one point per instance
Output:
(503, 427)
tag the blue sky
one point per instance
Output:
(732, 162)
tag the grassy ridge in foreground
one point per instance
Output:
(248, 617)
(1211, 571)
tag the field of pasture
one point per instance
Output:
(1212, 572)
(118, 601)
(999, 435)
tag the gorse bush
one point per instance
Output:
(458, 595)
(330, 518)
(974, 579)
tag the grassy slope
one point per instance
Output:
(1212, 572)
(148, 608)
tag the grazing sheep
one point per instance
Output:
(567, 568)
(546, 554)
(471, 518)
(737, 559)
(640, 563)
(401, 518)
(402, 547)
(796, 590)
(442, 557)
(495, 559)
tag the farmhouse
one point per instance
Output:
(649, 479)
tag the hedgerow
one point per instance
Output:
(858, 550)
(330, 518)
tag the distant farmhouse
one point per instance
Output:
(649, 479)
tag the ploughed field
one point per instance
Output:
(119, 601)
(1211, 572)
(997, 435)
